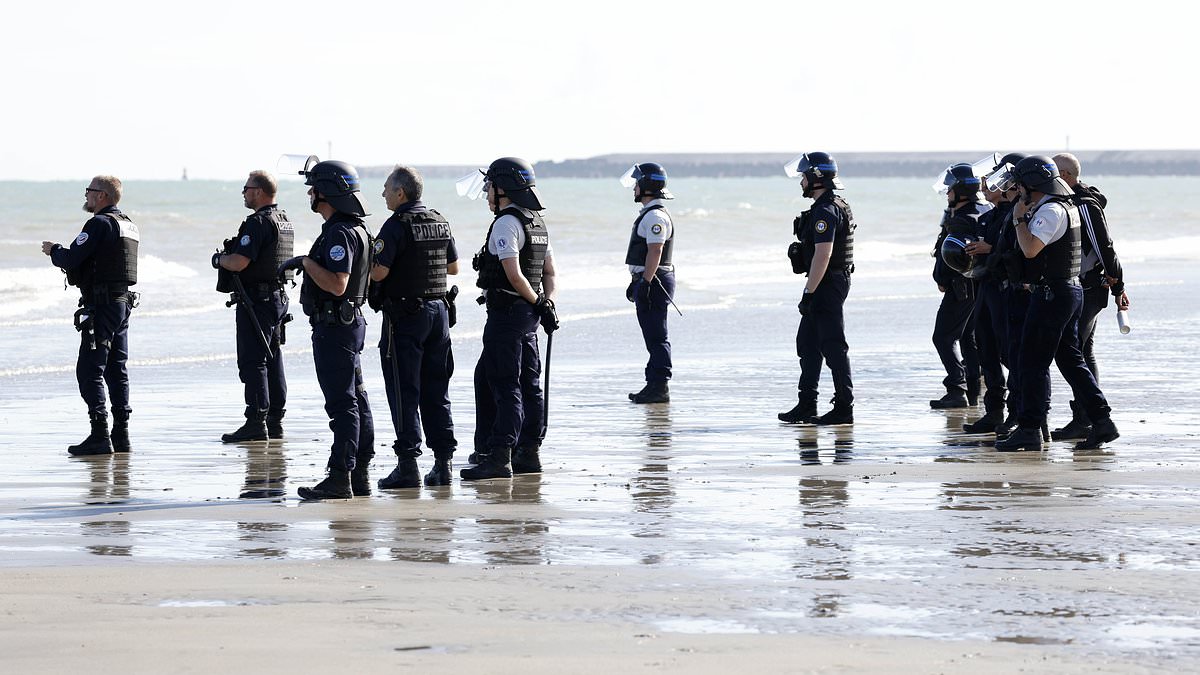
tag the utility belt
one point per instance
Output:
(495, 298)
(409, 306)
(104, 293)
(262, 292)
(1045, 288)
(333, 313)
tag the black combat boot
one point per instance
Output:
(803, 413)
(1077, 428)
(335, 486)
(475, 457)
(405, 475)
(494, 463)
(526, 460)
(954, 398)
(1102, 432)
(442, 469)
(120, 434)
(973, 388)
(1022, 439)
(842, 413)
(360, 479)
(989, 422)
(255, 429)
(653, 392)
(97, 442)
(275, 425)
(1007, 426)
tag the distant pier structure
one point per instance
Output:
(184, 176)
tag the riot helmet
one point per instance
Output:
(650, 179)
(515, 177)
(336, 183)
(954, 254)
(1002, 178)
(818, 167)
(1039, 173)
(960, 182)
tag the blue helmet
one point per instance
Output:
(337, 183)
(818, 167)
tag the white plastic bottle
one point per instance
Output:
(1123, 321)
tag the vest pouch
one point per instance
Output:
(795, 253)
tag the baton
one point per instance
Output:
(546, 387)
(398, 419)
(669, 298)
(244, 298)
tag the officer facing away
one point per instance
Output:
(953, 329)
(263, 242)
(652, 287)
(516, 273)
(102, 263)
(824, 253)
(1100, 274)
(1046, 223)
(413, 254)
(336, 272)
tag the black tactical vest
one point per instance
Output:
(1060, 260)
(116, 260)
(842, 257)
(420, 269)
(265, 268)
(314, 298)
(639, 247)
(531, 257)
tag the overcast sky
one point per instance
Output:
(144, 89)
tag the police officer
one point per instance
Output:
(336, 273)
(413, 254)
(825, 253)
(516, 273)
(248, 269)
(960, 222)
(990, 315)
(1046, 222)
(1101, 274)
(102, 263)
(653, 285)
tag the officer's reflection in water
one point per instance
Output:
(809, 442)
(266, 473)
(824, 556)
(109, 486)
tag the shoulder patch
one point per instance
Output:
(245, 240)
(337, 253)
(378, 247)
(821, 227)
(656, 228)
(501, 242)
(81, 239)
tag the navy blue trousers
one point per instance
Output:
(508, 395)
(991, 338)
(821, 339)
(952, 328)
(103, 353)
(262, 374)
(652, 317)
(419, 345)
(1016, 302)
(1094, 301)
(1051, 333)
(336, 351)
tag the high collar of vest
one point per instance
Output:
(414, 205)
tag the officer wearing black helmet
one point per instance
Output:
(952, 329)
(263, 242)
(516, 273)
(336, 273)
(824, 253)
(413, 254)
(1100, 275)
(1046, 222)
(652, 288)
(102, 263)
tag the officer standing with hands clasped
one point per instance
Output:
(102, 263)
(336, 273)
(247, 268)
(1046, 223)
(824, 253)
(516, 273)
(413, 254)
(652, 288)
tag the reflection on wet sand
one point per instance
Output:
(511, 540)
(266, 471)
(809, 440)
(109, 486)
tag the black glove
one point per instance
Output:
(639, 289)
(806, 303)
(296, 263)
(216, 260)
(545, 309)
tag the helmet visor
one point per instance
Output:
(792, 168)
(295, 164)
(630, 177)
(1002, 179)
(472, 186)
